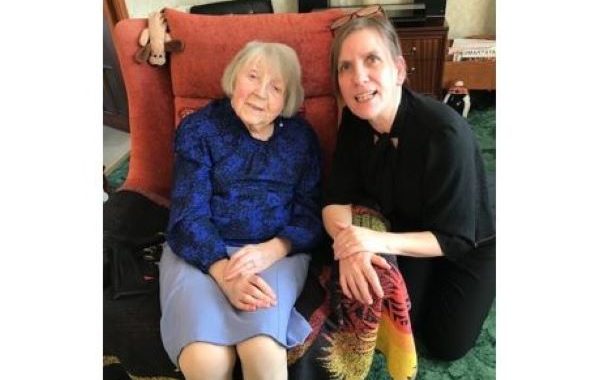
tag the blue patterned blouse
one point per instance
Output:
(232, 189)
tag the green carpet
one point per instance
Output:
(118, 176)
(483, 123)
(479, 363)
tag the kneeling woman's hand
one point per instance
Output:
(357, 275)
(351, 240)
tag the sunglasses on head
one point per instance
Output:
(369, 11)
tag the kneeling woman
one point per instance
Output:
(245, 209)
(417, 161)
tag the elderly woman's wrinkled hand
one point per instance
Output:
(249, 292)
(351, 240)
(250, 259)
(357, 275)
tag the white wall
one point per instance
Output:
(470, 17)
(465, 17)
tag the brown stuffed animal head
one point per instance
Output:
(157, 59)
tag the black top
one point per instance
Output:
(433, 181)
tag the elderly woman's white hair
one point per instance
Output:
(280, 58)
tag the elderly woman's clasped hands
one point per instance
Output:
(243, 286)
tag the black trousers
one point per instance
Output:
(449, 299)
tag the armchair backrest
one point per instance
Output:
(158, 97)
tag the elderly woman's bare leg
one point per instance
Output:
(262, 358)
(205, 361)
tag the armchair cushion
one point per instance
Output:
(212, 41)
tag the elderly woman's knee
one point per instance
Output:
(206, 361)
(262, 358)
(263, 348)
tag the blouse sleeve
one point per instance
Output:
(344, 180)
(190, 233)
(305, 230)
(450, 211)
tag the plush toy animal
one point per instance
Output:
(155, 41)
(458, 97)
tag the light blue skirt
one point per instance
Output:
(194, 308)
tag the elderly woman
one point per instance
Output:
(416, 161)
(245, 209)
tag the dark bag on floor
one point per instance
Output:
(134, 267)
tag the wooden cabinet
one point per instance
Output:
(424, 49)
(476, 75)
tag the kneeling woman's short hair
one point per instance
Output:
(278, 57)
